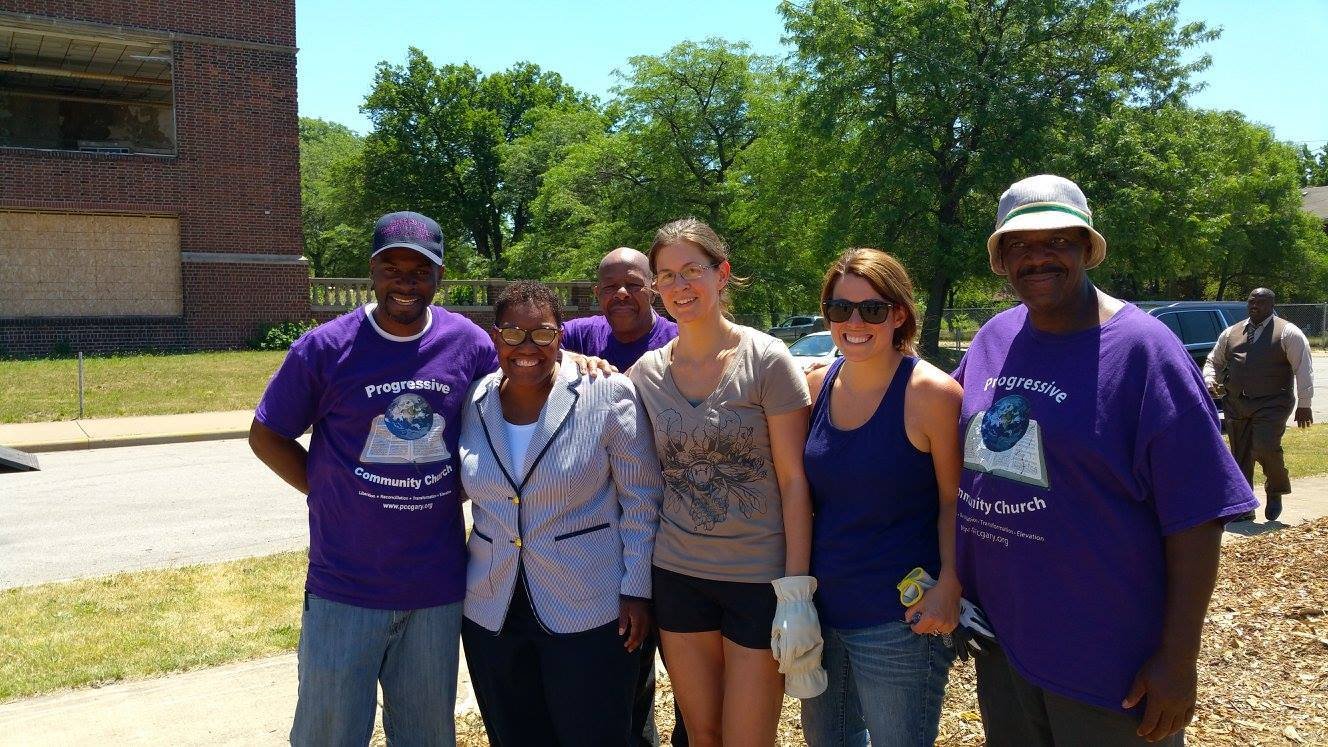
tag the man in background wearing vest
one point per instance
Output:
(1252, 367)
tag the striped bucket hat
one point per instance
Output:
(1042, 202)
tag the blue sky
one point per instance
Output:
(1269, 62)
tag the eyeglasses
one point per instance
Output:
(690, 273)
(542, 336)
(872, 311)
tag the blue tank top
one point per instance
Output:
(875, 501)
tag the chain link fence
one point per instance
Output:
(1312, 318)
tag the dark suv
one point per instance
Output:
(797, 326)
(1198, 323)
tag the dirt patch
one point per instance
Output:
(1263, 673)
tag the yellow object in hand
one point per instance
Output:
(914, 585)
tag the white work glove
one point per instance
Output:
(805, 677)
(795, 637)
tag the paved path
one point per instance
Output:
(102, 511)
(1319, 405)
(249, 703)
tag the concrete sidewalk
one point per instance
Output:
(252, 703)
(96, 433)
(249, 703)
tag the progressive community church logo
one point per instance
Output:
(408, 432)
(1004, 440)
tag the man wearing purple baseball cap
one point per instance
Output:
(382, 387)
(1094, 491)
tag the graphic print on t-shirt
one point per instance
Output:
(409, 432)
(710, 468)
(1006, 442)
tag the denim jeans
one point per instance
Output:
(885, 680)
(345, 651)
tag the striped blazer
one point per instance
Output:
(579, 515)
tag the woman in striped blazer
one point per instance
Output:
(564, 487)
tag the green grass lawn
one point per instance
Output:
(148, 623)
(40, 390)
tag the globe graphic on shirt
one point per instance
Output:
(409, 417)
(1005, 423)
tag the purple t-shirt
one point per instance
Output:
(1081, 453)
(385, 525)
(592, 335)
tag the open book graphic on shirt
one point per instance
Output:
(384, 447)
(1024, 461)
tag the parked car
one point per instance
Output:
(797, 326)
(1198, 323)
(815, 348)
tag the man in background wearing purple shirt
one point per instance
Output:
(628, 329)
(1094, 491)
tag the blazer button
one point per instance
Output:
(516, 499)
(517, 541)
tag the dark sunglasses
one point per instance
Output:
(872, 312)
(542, 336)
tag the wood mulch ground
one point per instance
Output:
(1263, 673)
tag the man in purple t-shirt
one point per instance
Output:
(628, 329)
(1094, 491)
(383, 388)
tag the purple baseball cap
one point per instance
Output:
(411, 231)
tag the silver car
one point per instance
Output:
(797, 326)
(816, 348)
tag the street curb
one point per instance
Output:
(117, 441)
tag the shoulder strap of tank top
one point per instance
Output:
(823, 396)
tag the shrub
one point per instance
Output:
(280, 336)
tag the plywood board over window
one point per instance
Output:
(83, 265)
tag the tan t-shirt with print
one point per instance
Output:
(722, 517)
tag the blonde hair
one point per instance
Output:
(888, 278)
(697, 232)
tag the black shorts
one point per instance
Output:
(741, 612)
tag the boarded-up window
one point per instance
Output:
(63, 265)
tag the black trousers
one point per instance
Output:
(644, 731)
(1017, 713)
(1255, 426)
(536, 688)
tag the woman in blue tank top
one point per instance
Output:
(883, 462)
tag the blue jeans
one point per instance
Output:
(345, 651)
(886, 680)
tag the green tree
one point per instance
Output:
(434, 146)
(681, 137)
(328, 151)
(940, 104)
(1194, 203)
(1313, 166)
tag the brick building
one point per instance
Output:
(149, 174)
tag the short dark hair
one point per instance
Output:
(522, 292)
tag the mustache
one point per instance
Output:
(1047, 267)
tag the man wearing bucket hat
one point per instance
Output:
(382, 387)
(1090, 513)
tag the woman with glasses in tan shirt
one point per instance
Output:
(729, 408)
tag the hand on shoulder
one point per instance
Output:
(815, 379)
